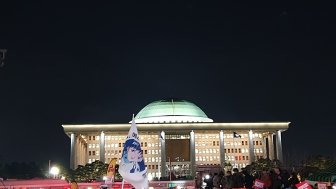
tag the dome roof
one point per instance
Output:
(171, 111)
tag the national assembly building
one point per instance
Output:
(176, 135)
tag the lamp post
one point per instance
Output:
(54, 171)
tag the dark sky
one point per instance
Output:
(100, 63)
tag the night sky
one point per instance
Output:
(100, 63)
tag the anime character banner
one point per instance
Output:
(132, 165)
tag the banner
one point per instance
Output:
(322, 185)
(110, 173)
(258, 184)
(303, 185)
(132, 165)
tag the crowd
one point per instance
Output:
(272, 179)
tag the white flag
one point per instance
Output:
(132, 166)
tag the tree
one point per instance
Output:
(91, 171)
(263, 164)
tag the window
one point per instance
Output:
(245, 142)
(213, 143)
(243, 157)
(229, 151)
(257, 143)
(89, 153)
(217, 143)
(145, 151)
(247, 157)
(119, 144)
(141, 144)
(145, 144)
(239, 150)
(89, 137)
(242, 142)
(236, 150)
(93, 137)
(93, 153)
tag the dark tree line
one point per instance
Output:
(20, 170)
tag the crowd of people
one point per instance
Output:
(271, 179)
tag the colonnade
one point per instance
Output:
(78, 154)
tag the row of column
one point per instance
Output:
(78, 149)
(268, 146)
(78, 152)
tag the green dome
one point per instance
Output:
(171, 111)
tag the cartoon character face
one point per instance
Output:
(134, 155)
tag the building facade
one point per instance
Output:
(177, 136)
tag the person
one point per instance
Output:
(285, 178)
(237, 179)
(227, 181)
(198, 180)
(276, 178)
(216, 181)
(293, 180)
(248, 179)
(208, 181)
(266, 178)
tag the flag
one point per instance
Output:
(111, 168)
(132, 165)
(236, 135)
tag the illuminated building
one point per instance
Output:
(177, 134)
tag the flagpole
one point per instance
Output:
(234, 154)
(122, 184)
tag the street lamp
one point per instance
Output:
(54, 171)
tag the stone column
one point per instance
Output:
(221, 148)
(163, 153)
(279, 146)
(73, 151)
(86, 158)
(265, 151)
(251, 147)
(271, 147)
(102, 147)
(192, 154)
